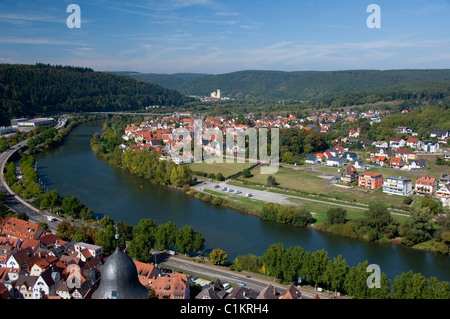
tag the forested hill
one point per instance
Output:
(29, 90)
(301, 86)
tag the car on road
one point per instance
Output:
(248, 195)
(241, 283)
(51, 219)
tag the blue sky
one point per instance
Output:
(218, 36)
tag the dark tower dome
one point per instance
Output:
(119, 279)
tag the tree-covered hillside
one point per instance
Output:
(170, 81)
(29, 90)
(305, 86)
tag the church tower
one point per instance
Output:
(119, 278)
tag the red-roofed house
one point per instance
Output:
(146, 272)
(292, 293)
(426, 185)
(14, 227)
(414, 142)
(396, 162)
(171, 286)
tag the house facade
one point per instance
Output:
(426, 185)
(349, 174)
(335, 161)
(370, 180)
(398, 186)
(430, 147)
(414, 143)
(443, 191)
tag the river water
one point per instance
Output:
(73, 169)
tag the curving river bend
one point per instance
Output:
(73, 169)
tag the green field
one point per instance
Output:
(227, 169)
(308, 182)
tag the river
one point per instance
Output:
(73, 169)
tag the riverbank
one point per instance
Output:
(295, 209)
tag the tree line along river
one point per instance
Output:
(73, 169)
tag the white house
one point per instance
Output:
(311, 159)
(46, 283)
(444, 191)
(397, 142)
(24, 286)
(416, 164)
(359, 164)
(431, 147)
(335, 161)
(440, 134)
(86, 251)
(382, 144)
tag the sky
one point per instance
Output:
(220, 36)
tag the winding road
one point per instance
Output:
(14, 202)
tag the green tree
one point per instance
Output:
(335, 273)
(246, 173)
(409, 285)
(317, 264)
(294, 258)
(106, 238)
(378, 217)
(355, 284)
(218, 256)
(65, 230)
(165, 236)
(434, 205)
(418, 228)
(71, 206)
(249, 262)
(336, 215)
(220, 177)
(271, 181)
(143, 239)
(187, 240)
(51, 200)
(272, 259)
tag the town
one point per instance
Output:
(37, 264)
(396, 155)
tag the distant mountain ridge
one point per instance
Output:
(298, 85)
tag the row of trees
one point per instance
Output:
(139, 239)
(318, 269)
(284, 214)
(27, 186)
(143, 164)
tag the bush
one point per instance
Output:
(217, 201)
